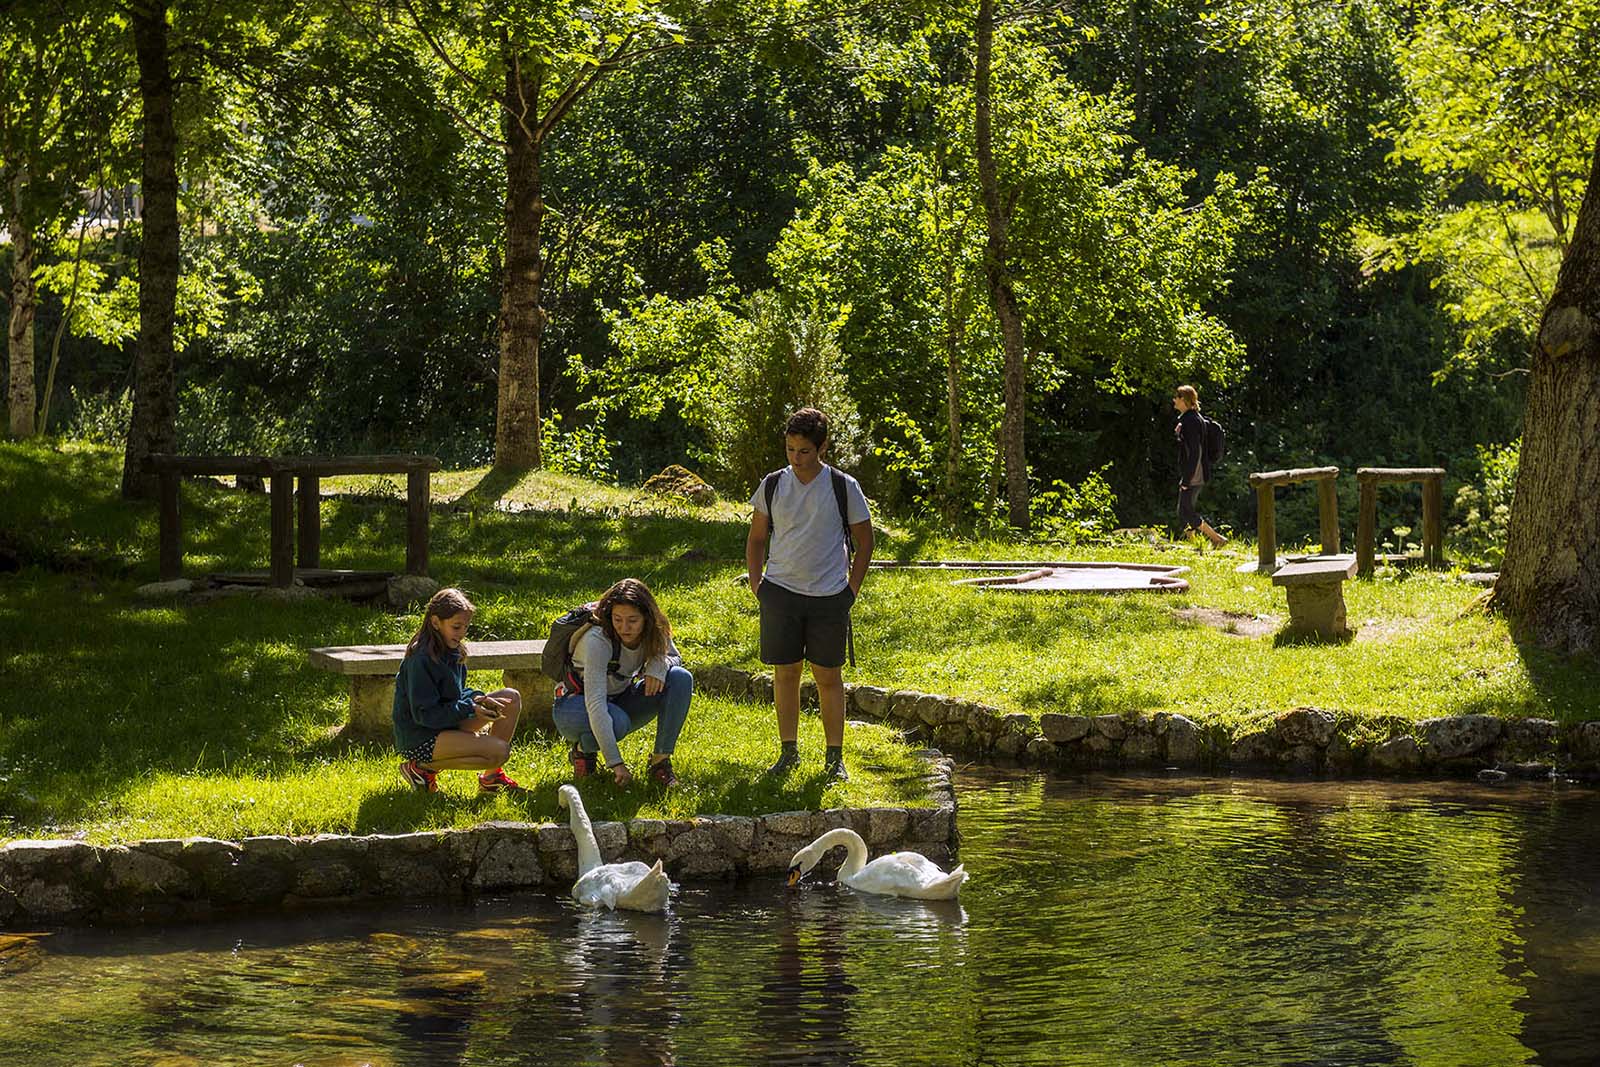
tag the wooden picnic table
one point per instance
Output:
(282, 472)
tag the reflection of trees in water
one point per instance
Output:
(804, 1004)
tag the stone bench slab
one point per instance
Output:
(372, 668)
(385, 659)
(1321, 570)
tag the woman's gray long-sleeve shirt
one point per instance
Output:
(589, 659)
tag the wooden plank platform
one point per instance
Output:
(385, 659)
(321, 577)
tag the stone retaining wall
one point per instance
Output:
(65, 881)
(1307, 740)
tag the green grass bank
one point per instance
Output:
(123, 719)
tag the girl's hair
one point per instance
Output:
(1188, 393)
(634, 593)
(447, 603)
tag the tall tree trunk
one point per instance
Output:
(516, 443)
(153, 427)
(1001, 292)
(19, 335)
(1549, 585)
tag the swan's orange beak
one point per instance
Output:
(794, 876)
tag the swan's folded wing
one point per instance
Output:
(649, 893)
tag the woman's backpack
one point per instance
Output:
(556, 661)
(1216, 441)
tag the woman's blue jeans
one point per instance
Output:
(631, 709)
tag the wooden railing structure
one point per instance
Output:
(1432, 479)
(1266, 516)
(281, 472)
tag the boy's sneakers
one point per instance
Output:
(835, 771)
(583, 763)
(661, 773)
(412, 774)
(787, 762)
(496, 781)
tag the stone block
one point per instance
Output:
(1012, 745)
(931, 824)
(1183, 740)
(1041, 751)
(722, 681)
(1303, 758)
(538, 692)
(510, 860)
(903, 705)
(413, 865)
(612, 837)
(1583, 740)
(887, 826)
(1305, 726)
(1398, 754)
(164, 590)
(738, 832)
(1343, 755)
(1527, 739)
(761, 688)
(555, 838)
(1254, 746)
(1111, 726)
(869, 700)
(1063, 729)
(1456, 736)
(808, 695)
(1140, 748)
(131, 871)
(321, 881)
(1317, 610)
(1099, 744)
(791, 823)
(954, 736)
(405, 590)
(371, 706)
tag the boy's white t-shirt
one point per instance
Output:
(807, 553)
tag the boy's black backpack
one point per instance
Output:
(1215, 442)
(556, 662)
(769, 489)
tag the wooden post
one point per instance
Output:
(417, 489)
(171, 553)
(1432, 521)
(282, 528)
(1328, 515)
(1366, 526)
(309, 530)
(1266, 531)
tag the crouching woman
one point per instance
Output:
(623, 671)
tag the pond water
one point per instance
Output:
(1108, 921)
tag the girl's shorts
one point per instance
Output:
(421, 752)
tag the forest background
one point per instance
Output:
(1339, 219)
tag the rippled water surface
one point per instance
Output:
(1108, 921)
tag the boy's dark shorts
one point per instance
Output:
(796, 627)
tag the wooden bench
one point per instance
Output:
(372, 669)
(1264, 482)
(1315, 588)
(281, 472)
(1432, 479)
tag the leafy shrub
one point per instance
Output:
(99, 418)
(1071, 513)
(1485, 507)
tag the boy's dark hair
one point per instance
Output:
(810, 424)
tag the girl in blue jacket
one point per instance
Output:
(439, 723)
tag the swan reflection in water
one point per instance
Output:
(632, 985)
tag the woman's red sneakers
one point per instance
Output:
(661, 773)
(496, 781)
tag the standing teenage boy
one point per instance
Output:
(810, 580)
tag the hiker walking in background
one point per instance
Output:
(1195, 458)
(814, 517)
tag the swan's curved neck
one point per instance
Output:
(855, 849)
(583, 830)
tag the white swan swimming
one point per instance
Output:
(899, 874)
(630, 885)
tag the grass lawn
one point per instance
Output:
(123, 719)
